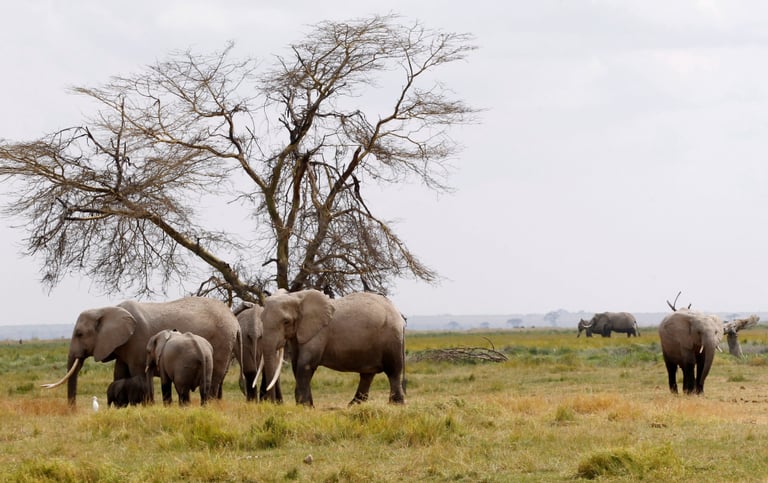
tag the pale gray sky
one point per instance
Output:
(621, 157)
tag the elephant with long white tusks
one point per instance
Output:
(249, 317)
(361, 332)
(689, 340)
(606, 322)
(121, 333)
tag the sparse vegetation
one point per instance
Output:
(559, 408)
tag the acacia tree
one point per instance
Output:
(125, 198)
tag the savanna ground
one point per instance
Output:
(559, 409)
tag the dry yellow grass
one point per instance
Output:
(560, 409)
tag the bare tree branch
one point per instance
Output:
(122, 199)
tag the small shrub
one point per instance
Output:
(24, 388)
(608, 464)
(272, 434)
(656, 463)
(420, 429)
(564, 414)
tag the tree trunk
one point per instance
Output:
(733, 344)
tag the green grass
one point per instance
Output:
(559, 409)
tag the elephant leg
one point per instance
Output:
(363, 388)
(217, 379)
(275, 394)
(183, 396)
(121, 371)
(165, 387)
(303, 390)
(396, 390)
(699, 373)
(250, 391)
(689, 378)
(672, 376)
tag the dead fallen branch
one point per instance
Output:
(460, 354)
(731, 330)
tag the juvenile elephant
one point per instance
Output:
(605, 322)
(362, 332)
(251, 328)
(689, 340)
(132, 390)
(186, 360)
(121, 333)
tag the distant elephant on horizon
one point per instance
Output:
(604, 323)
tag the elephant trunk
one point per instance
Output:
(75, 365)
(709, 357)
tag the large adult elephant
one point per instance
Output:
(251, 328)
(121, 333)
(689, 340)
(361, 332)
(606, 322)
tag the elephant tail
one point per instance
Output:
(239, 354)
(404, 379)
(205, 384)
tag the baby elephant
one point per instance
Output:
(186, 360)
(132, 390)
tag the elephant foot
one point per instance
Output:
(359, 399)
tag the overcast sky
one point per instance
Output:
(621, 157)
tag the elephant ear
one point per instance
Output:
(316, 313)
(258, 326)
(114, 326)
(161, 339)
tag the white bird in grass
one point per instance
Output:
(95, 404)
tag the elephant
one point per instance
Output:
(121, 333)
(361, 332)
(605, 322)
(689, 340)
(132, 390)
(249, 316)
(184, 359)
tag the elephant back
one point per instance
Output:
(208, 318)
(367, 311)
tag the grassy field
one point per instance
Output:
(559, 409)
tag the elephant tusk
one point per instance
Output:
(63, 379)
(278, 366)
(258, 371)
